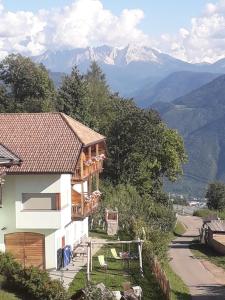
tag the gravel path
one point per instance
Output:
(201, 279)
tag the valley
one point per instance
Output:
(189, 98)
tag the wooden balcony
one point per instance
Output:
(81, 173)
(84, 205)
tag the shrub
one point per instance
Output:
(204, 213)
(94, 292)
(35, 283)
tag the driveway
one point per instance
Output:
(202, 280)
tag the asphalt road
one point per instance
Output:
(203, 283)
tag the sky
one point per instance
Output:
(192, 30)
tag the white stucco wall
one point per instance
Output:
(77, 187)
(44, 184)
(15, 220)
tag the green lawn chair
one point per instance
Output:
(114, 254)
(101, 260)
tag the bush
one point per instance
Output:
(94, 292)
(204, 213)
(35, 283)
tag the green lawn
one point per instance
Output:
(5, 295)
(202, 251)
(179, 290)
(118, 272)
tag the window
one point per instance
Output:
(41, 201)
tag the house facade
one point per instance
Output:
(47, 199)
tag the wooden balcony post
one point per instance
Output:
(82, 198)
(82, 165)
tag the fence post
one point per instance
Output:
(161, 277)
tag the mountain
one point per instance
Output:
(127, 69)
(56, 77)
(200, 118)
(171, 87)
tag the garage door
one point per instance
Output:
(27, 247)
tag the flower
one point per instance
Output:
(88, 162)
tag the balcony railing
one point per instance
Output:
(87, 205)
(89, 167)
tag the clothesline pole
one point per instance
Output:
(88, 260)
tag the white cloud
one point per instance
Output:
(205, 41)
(87, 23)
(83, 23)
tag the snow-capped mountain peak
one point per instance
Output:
(104, 54)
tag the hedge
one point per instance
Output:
(34, 283)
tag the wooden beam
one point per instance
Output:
(88, 261)
(82, 165)
(113, 242)
(82, 198)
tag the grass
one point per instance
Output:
(179, 229)
(179, 291)
(202, 251)
(6, 295)
(118, 272)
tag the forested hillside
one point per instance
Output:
(200, 117)
(171, 87)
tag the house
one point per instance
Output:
(48, 195)
(214, 235)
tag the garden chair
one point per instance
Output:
(101, 260)
(114, 254)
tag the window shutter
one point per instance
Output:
(58, 201)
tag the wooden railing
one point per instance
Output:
(161, 279)
(87, 170)
(83, 209)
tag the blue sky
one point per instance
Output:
(191, 30)
(160, 15)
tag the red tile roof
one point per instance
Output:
(45, 142)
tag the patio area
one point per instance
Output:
(67, 274)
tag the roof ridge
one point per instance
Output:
(67, 116)
(64, 118)
(33, 113)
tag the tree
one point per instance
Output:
(4, 101)
(100, 98)
(215, 196)
(72, 96)
(143, 150)
(28, 86)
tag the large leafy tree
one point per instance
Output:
(143, 150)
(216, 195)
(28, 85)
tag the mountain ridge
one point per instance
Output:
(199, 117)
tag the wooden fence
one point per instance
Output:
(161, 278)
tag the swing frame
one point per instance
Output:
(89, 245)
